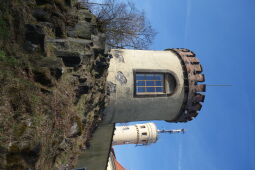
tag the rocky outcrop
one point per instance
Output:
(54, 67)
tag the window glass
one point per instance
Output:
(149, 83)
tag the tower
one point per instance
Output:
(140, 134)
(146, 85)
(154, 85)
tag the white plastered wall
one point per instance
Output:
(123, 106)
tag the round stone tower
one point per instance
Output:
(135, 134)
(154, 85)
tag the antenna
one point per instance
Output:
(218, 84)
(172, 131)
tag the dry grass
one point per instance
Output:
(35, 125)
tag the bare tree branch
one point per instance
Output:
(124, 25)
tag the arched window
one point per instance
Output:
(153, 83)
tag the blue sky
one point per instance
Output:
(222, 137)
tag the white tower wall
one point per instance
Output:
(122, 99)
(180, 100)
(135, 134)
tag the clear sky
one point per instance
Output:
(222, 137)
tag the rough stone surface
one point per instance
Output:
(41, 15)
(70, 59)
(81, 30)
(75, 130)
(53, 91)
(35, 34)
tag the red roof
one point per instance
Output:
(118, 166)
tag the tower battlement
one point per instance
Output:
(192, 71)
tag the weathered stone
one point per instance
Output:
(31, 156)
(99, 67)
(28, 46)
(81, 30)
(99, 41)
(47, 24)
(69, 3)
(85, 15)
(41, 15)
(42, 2)
(86, 59)
(60, 27)
(42, 78)
(83, 89)
(44, 21)
(71, 20)
(70, 44)
(70, 59)
(82, 80)
(35, 34)
(56, 72)
(98, 51)
(75, 130)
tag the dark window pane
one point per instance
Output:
(140, 89)
(150, 89)
(158, 76)
(140, 77)
(158, 83)
(149, 83)
(159, 89)
(140, 83)
(149, 77)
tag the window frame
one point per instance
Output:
(156, 94)
(145, 86)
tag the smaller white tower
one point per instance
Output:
(135, 134)
(143, 134)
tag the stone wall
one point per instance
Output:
(53, 70)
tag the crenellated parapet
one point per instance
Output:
(192, 71)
